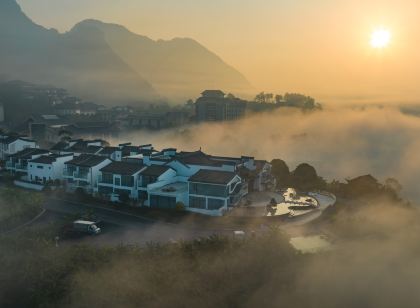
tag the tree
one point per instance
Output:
(279, 99)
(280, 171)
(305, 171)
(65, 135)
(269, 98)
(305, 177)
(309, 104)
(264, 98)
(260, 98)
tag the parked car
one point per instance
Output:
(79, 228)
(239, 234)
(84, 226)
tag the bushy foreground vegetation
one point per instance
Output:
(375, 237)
(18, 206)
(210, 272)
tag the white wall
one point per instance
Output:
(52, 171)
(94, 172)
(41, 171)
(15, 147)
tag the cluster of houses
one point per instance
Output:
(139, 174)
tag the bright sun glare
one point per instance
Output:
(380, 38)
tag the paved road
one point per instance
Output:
(125, 228)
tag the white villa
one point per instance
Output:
(202, 183)
(119, 180)
(47, 168)
(18, 163)
(215, 191)
(82, 172)
(11, 144)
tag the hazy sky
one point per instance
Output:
(317, 47)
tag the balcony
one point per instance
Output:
(106, 182)
(21, 167)
(81, 175)
(69, 173)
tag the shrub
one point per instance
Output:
(180, 207)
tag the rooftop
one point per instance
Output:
(123, 168)
(86, 160)
(47, 159)
(155, 170)
(44, 160)
(197, 158)
(213, 93)
(28, 153)
(128, 149)
(213, 177)
(7, 139)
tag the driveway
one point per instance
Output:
(125, 228)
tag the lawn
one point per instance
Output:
(18, 206)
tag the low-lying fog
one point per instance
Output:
(340, 143)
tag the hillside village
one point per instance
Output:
(137, 174)
(48, 114)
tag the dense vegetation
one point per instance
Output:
(17, 207)
(294, 100)
(205, 273)
(304, 177)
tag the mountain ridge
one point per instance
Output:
(108, 63)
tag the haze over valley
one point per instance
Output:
(225, 153)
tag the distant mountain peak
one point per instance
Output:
(108, 63)
(14, 21)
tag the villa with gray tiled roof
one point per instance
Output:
(164, 179)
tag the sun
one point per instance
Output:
(380, 38)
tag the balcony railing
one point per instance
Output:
(81, 175)
(68, 173)
(109, 182)
(22, 167)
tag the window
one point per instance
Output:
(83, 170)
(40, 167)
(107, 178)
(215, 204)
(117, 182)
(127, 180)
(162, 202)
(208, 190)
(198, 202)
